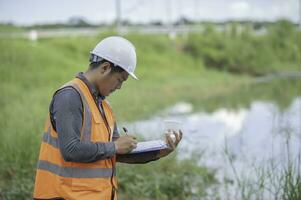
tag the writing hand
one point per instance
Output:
(125, 144)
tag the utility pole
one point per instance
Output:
(196, 10)
(169, 13)
(118, 17)
(299, 13)
(171, 34)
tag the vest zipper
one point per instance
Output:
(103, 115)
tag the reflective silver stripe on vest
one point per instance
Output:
(87, 122)
(47, 138)
(74, 172)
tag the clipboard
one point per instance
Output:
(148, 146)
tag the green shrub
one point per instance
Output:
(244, 51)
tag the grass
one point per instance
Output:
(171, 179)
(276, 178)
(280, 92)
(8, 28)
(31, 71)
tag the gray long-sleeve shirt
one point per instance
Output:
(66, 117)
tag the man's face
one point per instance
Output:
(111, 82)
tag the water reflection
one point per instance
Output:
(255, 134)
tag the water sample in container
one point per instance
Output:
(171, 126)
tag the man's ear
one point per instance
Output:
(105, 68)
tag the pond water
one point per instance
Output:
(251, 136)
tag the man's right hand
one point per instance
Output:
(125, 144)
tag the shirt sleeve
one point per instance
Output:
(66, 116)
(138, 158)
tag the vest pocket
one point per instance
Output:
(99, 130)
(97, 118)
(91, 184)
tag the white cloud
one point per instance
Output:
(270, 10)
(287, 9)
(240, 9)
(36, 11)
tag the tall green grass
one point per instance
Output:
(168, 179)
(276, 178)
(31, 71)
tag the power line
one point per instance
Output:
(136, 6)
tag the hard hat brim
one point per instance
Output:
(133, 75)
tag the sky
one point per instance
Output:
(29, 12)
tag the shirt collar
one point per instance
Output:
(94, 91)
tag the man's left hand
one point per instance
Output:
(171, 143)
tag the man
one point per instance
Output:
(81, 143)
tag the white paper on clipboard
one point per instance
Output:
(148, 146)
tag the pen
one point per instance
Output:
(125, 130)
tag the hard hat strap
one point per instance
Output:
(95, 58)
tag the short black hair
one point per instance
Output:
(114, 68)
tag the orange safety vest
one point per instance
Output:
(56, 177)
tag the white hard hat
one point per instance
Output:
(119, 51)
